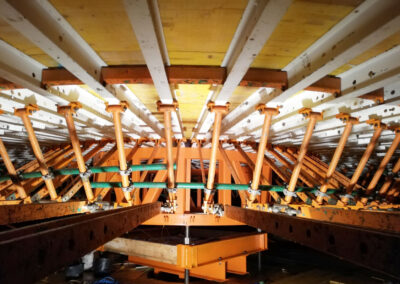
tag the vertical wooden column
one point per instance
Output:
(313, 116)
(350, 121)
(219, 111)
(119, 138)
(24, 113)
(68, 111)
(379, 127)
(268, 113)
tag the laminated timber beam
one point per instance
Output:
(176, 74)
(370, 23)
(370, 248)
(259, 20)
(38, 250)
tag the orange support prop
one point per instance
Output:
(219, 111)
(313, 116)
(68, 111)
(167, 109)
(24, 113)
(383, 164)
(379, 127)
(116, 111)
(13, 173)
(268, 112)
(350, 121)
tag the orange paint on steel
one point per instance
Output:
(203, 174)
(24, 113)
(219, 111)
(386, 185)
(383, 164)
(67, 111)
(116, 111)
(167, 109)
(314, 116)
(350, 121)
(268, 112)
(379, 127)
(13, 173)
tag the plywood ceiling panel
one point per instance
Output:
(240, 95)
(191, 100)
(383, 46)
(105, 26)
(304, 23)
(14, 38)
(148, 95)
(199, 32)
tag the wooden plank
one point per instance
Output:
(149, 250)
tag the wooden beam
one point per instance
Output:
(28, 212)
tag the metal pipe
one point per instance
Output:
(350, 121)
(119, 138)
(268, 112)
(94, 170)
(199, 185)
(364, 159)
(388, 181)
(218, 111)
(67, 111)
(314, 116)
(13, 173)
(187, 242)
(24, 113)
(383, 164)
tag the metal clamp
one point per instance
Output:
(128, 188)
(348, 196)
(254, 191)
(209, 191)
(171, 190)
(127, 172)
(49, 176)
(320, 193)
(289, 193)
(85, 175)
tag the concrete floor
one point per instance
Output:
(283, 263)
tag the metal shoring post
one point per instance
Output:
(379, 127)
(268, 112)
(68, 111)
(388, 182)
(13, 173)
(187, 242)
(350, 121)
(259, 262)
(382, 165)
(47, 176)
(313, 116)
(167, 109)
(124, 172)
(209, 191)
